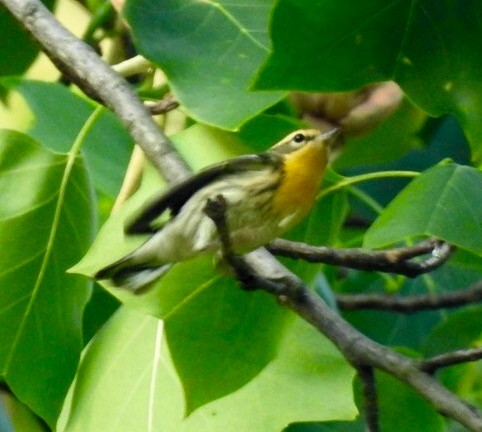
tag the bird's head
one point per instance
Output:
(304, 139)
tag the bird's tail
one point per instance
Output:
(128, 275)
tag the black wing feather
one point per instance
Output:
(176, 196)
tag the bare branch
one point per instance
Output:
(393, 260)
(85, 68)
(412, 303)
(450, 359)
(370, 401)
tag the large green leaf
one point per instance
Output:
(431, 48)
(46, 224)
(445, 202)
(58, 117)
(126, 382)
(209, 52)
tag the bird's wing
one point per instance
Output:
(176, 196)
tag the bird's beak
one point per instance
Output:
(331, 137)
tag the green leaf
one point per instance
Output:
(459, 330)
(401, 408)
(431, 48)
(218, 331)
(444, 202)
(126, 382)
(18, 50)
(373, 30)
(46, 224)
(59, 115)
(209, 52)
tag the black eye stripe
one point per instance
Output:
(299, 138)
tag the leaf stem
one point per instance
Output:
(365, 177)
(84, 131)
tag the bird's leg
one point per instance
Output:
(215, 209)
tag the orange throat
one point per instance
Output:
(303, 172)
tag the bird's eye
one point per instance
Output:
(299, 138)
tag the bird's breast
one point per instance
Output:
(302, 175)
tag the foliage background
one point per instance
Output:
(235, 360)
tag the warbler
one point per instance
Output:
(265, 194)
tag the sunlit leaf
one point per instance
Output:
(209, 52)
(127, 382)
(444, 202)
(58, 116)
(46, 225)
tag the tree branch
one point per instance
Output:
(215, 209)
(450, 359)
(91, 74)
(393, 260)
(410, 304)
(359, 350)
(369, 391)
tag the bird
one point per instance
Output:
(265, 195)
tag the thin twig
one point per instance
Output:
(396, 260)
(163, 106)
(273, 277)
(450, 359)
(90, 73)
(370, 402)
(413, 303)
